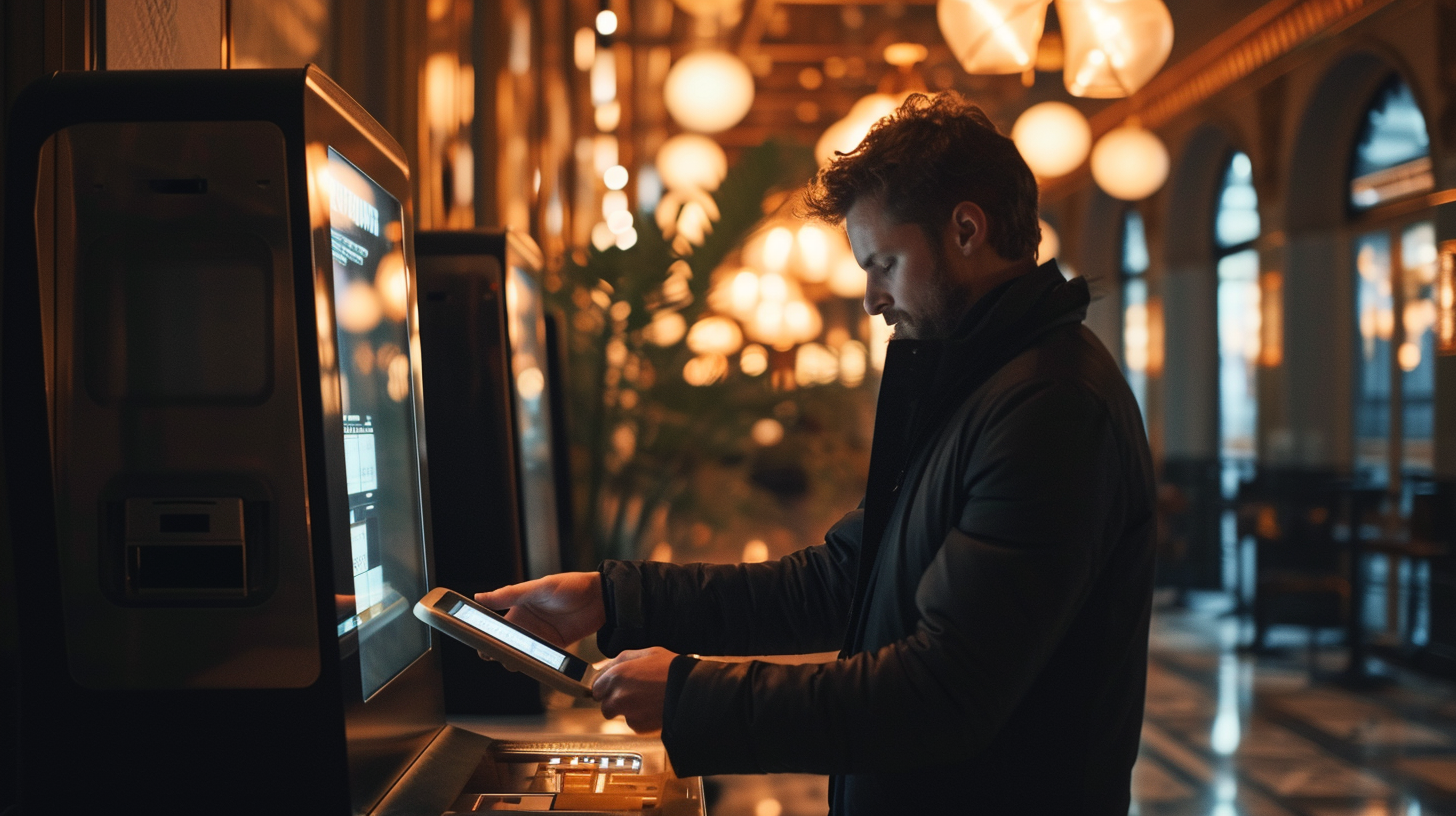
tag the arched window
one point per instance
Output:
(1136, 325)
(1393, 153)
(1395, 269)
(1236, 226)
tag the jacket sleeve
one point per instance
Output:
(993, 605)
(795, 605)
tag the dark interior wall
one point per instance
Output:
(1190, 303)
(1098, 258)
(36, 37)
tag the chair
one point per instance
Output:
(1302, 570)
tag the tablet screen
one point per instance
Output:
(511, 636)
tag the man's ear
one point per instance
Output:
(967, 228)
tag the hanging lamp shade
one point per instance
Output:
(690, 161)
(992, 36)
(1113, 47)
(1053, 138)
(708, 91)
(846, 134)
(1130, 163)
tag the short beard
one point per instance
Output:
(947, 302)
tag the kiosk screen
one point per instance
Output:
(381, 456)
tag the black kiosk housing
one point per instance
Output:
(474, 465)
(175, 433)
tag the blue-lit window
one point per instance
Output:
(1395, 270)
(1137, 328)
(1236, 226)
(1393, 152)
(1395, 274)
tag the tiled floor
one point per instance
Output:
(1227, 734)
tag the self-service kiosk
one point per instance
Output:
(537, 402)
(214, 435)
(475, 463)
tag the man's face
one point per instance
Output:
(907, 277)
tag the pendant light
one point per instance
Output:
(992, 36)
(1113, 47)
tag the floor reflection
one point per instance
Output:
(1229, 734)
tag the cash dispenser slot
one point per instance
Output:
(180, 548)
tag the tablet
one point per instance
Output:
(515, 648)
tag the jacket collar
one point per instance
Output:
(1007, 320)
(998, 326)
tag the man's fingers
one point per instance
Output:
(602, 685)
(503, 597)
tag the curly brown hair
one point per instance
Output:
(928, 156)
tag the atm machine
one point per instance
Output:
(214, 441)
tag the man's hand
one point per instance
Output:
(634, 686)
(561, 608)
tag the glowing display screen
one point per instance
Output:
(511, 636)
(381, 456)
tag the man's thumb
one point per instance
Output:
(502, 598)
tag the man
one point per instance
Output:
(990, 597)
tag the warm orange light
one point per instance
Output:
(708, 91)
(1130, 162)
(359, 308)
(992, 36)
(1446, 300)
(1271, 324)
(753, 360)
(767, 432)
(715, 335)
(441, 73)
(853, 360)
(1053, 137)
(847, 279)
(815, 365)
(1409, 356)
(392, 283)
(1113, 47)
(755, 552)
(705, 369)
(1135, 337)
(1155, 337)
(665, 329)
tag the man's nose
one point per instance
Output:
(876, 299)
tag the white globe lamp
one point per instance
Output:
(690, 161)
(1053, 137)
(708, 91)
(1130, 163)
